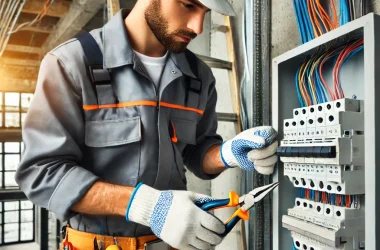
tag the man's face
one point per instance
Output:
(175, 22)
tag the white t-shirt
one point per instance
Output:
(153, 65)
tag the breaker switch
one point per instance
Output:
(317, 152)
(308, 152)
(328, 152)
(294, 152)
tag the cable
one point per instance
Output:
(42, 13)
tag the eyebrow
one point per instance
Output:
(197, 3)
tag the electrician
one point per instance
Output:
(116, 115)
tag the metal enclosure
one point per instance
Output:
(359, 77)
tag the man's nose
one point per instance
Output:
(196, 23)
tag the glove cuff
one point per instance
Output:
(226, 155)
(141, 204)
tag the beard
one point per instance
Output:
(159, 26)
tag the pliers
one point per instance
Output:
(246, 202)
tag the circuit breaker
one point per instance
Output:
(323, 156)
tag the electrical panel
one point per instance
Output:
(323, 156)
(328, 147)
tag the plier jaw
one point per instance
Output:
(245, 202)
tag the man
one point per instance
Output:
(102, 155)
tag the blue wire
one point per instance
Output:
(299, 21)
(333, 199)
(306, 18)
(344, 12)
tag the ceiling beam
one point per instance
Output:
(58, 8)
(19, 62)
(19, 72)
(80, 12)
(39, 28)
(24, 49)
(17, 85)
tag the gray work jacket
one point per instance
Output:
(71, 140)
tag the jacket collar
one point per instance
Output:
(118, 50)
(116, 46)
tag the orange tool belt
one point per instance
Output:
(78, 240)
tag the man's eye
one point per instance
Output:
(189, 6)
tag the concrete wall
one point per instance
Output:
(285, 35)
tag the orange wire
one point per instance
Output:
(316, 17)
(336, 25)
(325, 16)
(312, 18)
(303, 89)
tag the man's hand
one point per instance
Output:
(252, 149)
(175, 217)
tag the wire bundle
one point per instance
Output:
(38, 18)
(313, 19)
(311, 86)
(332, 199)
(349, 10)
(9, 13)
(346, 53)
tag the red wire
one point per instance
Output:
(342, 55)
(332, 96)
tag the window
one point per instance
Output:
(13, 108)
(17, 218)
(10, 153)
(17, 222)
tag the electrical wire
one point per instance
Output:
(9, 13)
(38, 18)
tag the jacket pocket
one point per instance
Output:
(107, 133)
(183, 131)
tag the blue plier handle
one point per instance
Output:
(246, 202)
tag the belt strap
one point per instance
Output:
(85, 241)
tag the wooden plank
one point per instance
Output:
(233, 74)
(113, 6)
(58, 8)
(20, 62)
(215, 63)
(39, 28)
(226, 117)
(17, 85)
(24, 49)
(79, 14)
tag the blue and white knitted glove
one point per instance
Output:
(175, 217)
(252, 149)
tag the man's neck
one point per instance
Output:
(140, 36)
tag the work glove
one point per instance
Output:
(252, 149)
(174, 217)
